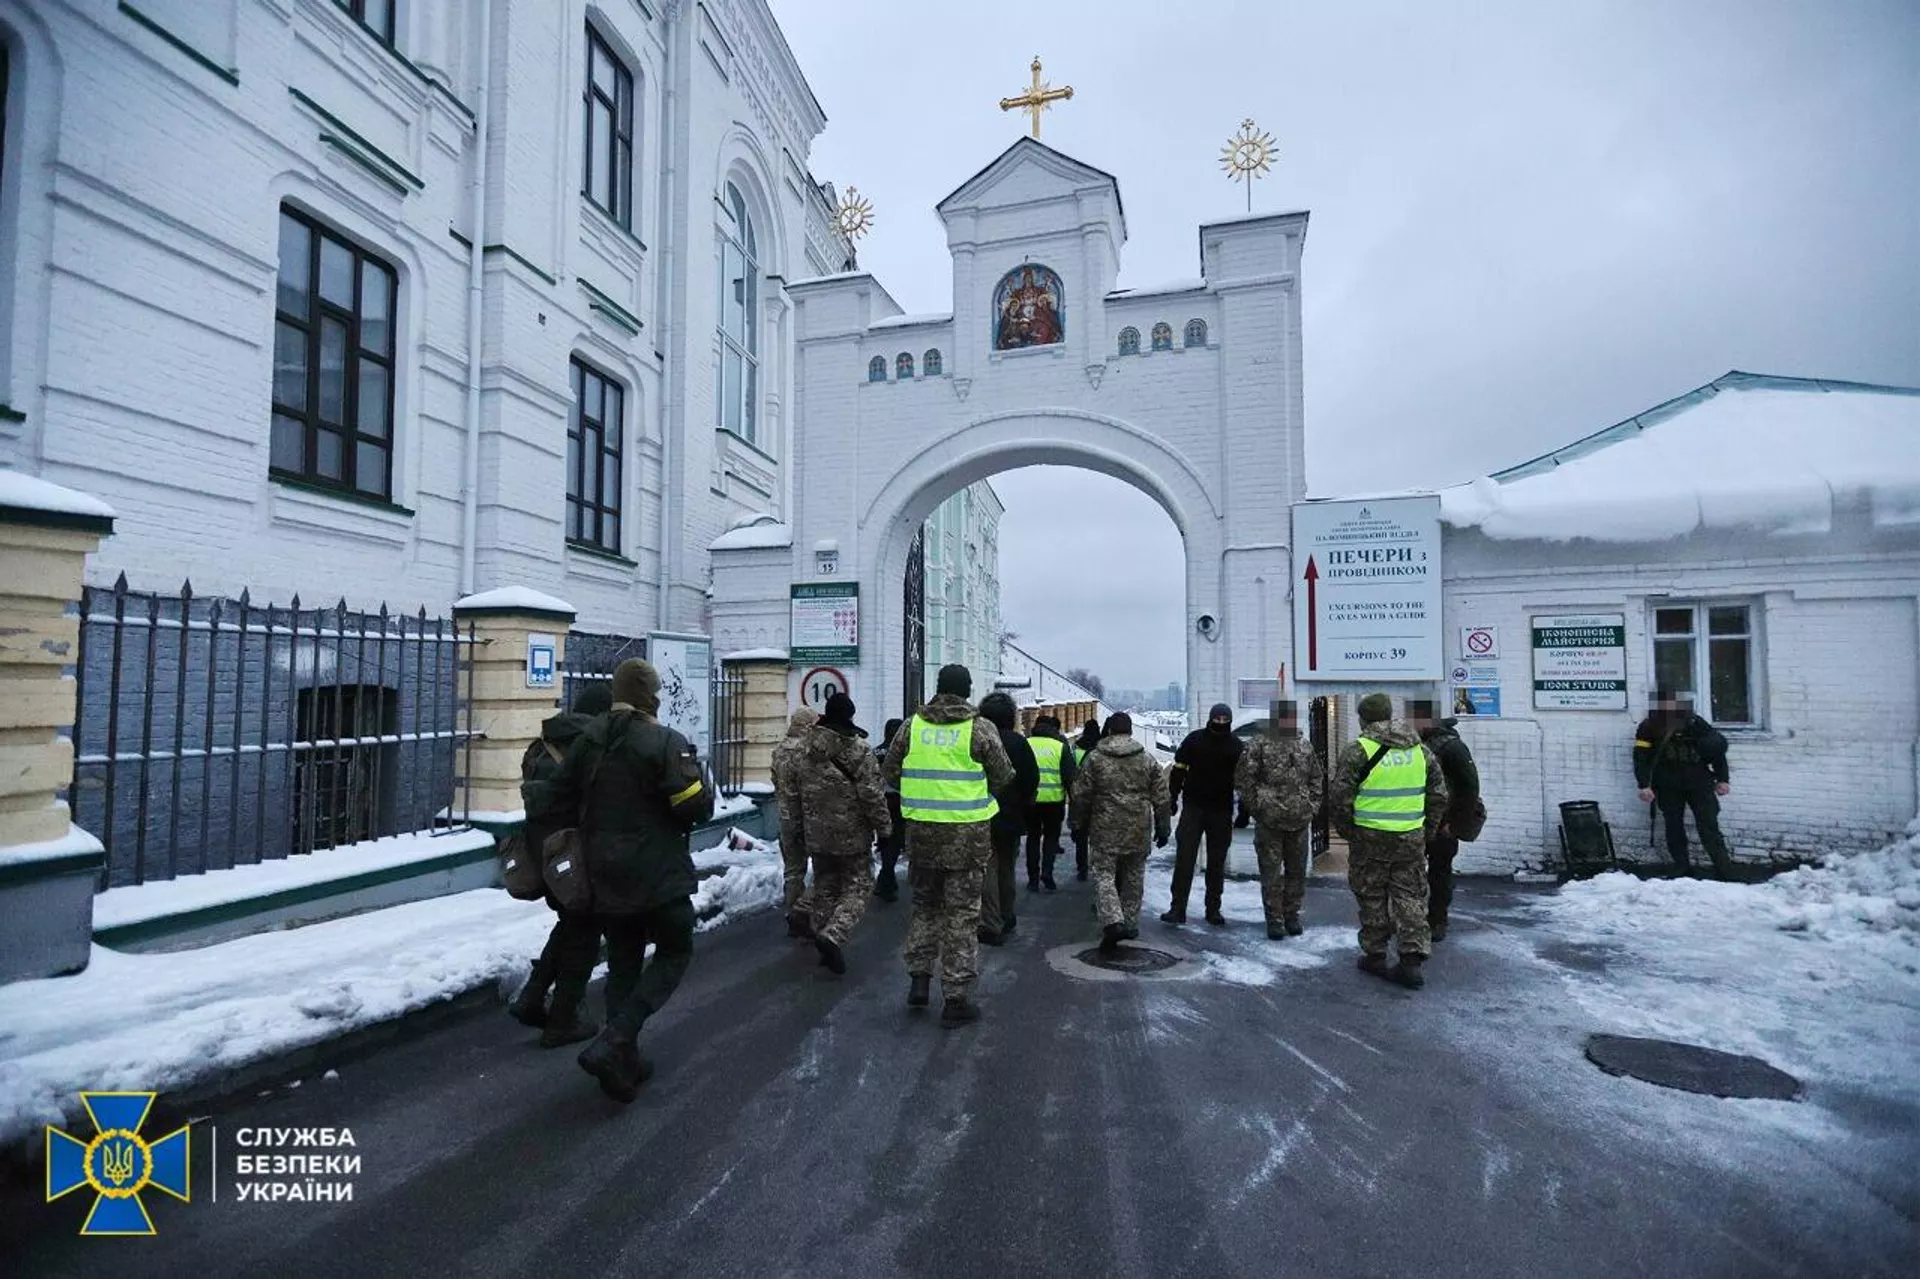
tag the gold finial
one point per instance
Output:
(1247, 155)
(1037, 98)
(853, 216)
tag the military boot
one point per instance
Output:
(920, 991)
(887, 886)
(1174, 917)
(1407, 971)
(616, 1062)
(1276, 933)
(958, 1010)
(529, 1007)
(830, 957)
(1293, 925)
(799, 925)
(567, 1020)
(1110, 938)
(1377, 965)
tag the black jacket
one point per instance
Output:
(541, 765)
(1203, 769)
(1456, 763)
(635, 788)
(1689, 755)
(1016, 801)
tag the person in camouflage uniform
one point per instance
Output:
(1280, 779)
(1121, 792)
(946, 861)
(843, 808)
(793, 841)
(1387, 870)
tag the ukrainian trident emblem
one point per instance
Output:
(118, 1164)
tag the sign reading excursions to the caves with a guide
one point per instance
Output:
(1366, 590)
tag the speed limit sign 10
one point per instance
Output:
(820, 683)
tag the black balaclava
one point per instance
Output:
(1220, 710)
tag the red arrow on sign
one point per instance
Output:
(1313, 616)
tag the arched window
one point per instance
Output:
(903, 366)
(1029, 309)
(1129, 341)
(736, 379)
(1196, 333)
(1163, 336)
(877, 369)
(930, 364)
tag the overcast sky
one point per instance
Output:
(1529, 220)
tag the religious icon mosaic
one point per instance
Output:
(1029, 309)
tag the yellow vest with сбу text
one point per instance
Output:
(940, 781)
(1046, 753)
(1394, 796)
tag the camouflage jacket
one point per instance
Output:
(842, 802)
(786, 794)
(1280, 779)
(1121, 792)
(1353, 762)
(950, 845)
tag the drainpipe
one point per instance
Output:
(476, 293)
(663, 312)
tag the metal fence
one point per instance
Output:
(592, 657)
(217, 732)
(729, 720)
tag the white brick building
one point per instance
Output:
(1190, 392)
(963, 584)
(242, 246)
(1760, 539)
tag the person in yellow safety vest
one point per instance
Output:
(1389, 798)
(947, 774)
(1082, 747)
(1059, 764)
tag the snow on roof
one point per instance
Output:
(1190, 284)
(30, 493)
(1745, 451)
(514, 597)
(903, 321)
(760, 532)
(756, 655)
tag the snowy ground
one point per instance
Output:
(171, 1021)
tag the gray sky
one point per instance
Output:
(1529, 220)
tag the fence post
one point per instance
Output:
(763, 718)
(515, 683)
(48, 866)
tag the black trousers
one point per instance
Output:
(997, 892)
(635, 993)
(1441, 851)
(893, 845)
(1216, 824)
(1080, 852)
(1043, 838)
(1674, 803)
(573, 947)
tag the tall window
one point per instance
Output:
(930, 363)
(376, 16)
(608, 179)
(593, 459)
(1196, 333)
(1708, 647)
(736, 379)
(1129, 341)
(877, 369)
(903, 366)
(333, 344)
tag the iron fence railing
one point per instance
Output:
(216, 732)
(729, 721)
(592, 657)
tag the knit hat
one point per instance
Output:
(839, 710)
(1089, 735)
(1119, 724)
(954, 679)
(998, 709)
(1375, 708)
(1046, 724)
(637, 684)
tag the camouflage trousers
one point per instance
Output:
(793, 864)
(1388, 875)
(840, 889)
(1119, 881)
(945, 925)
(1283, 871)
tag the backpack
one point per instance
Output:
(1467, 827)
(563, 859)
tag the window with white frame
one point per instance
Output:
(1710, 649)
(736, 375)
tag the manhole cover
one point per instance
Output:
(1691, 1068)
(1129, 959)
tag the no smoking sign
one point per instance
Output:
(1477, 642)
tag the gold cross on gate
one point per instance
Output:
(1037, 98)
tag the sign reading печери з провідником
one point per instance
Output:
(1366, 590)
(1579, 661)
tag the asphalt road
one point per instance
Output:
(1323, 1123)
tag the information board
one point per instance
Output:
(1580, 662)
(824, 623)
(1366, 590)
(685, 664)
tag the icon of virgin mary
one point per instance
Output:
(1028, 303)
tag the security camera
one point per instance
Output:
(1205, 623)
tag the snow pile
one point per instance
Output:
(25, 492)
(1755, 454)
(514, 599)
(173, 1021)
(1856, 892)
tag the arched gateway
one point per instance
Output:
(1040, 363)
